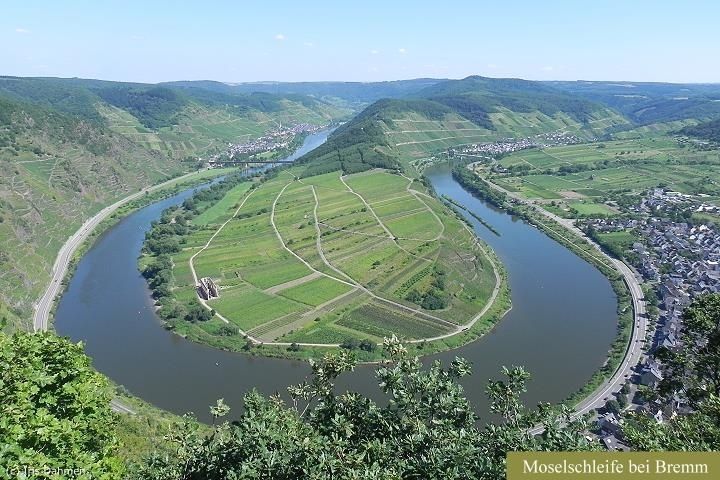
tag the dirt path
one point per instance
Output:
(191, 262)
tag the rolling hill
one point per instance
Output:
(456, 112)
(69, 147)
(354, 93)
(647, 103)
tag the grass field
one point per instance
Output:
(223, 209)
(597, 172)
(326, 259)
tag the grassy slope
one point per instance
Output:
(66, 151)
(57, 171)
(453, 113)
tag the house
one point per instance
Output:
(612, 443)
(609, 423)
(650, 375)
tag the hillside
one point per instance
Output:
(456, 112)
(179, 122)
(352, 92)
(647, 103)
(69, 147)
(57, 170)
(706, 131)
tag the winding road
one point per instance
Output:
(65, 255)
(634, 353)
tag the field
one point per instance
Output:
(202, 129)
(416, 136)
(328, 258)
(583, 180)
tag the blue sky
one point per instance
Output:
(367, 40)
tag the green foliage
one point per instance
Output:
(197, 313)
(696, 431)
(155, 107)
(478, 186)
(474, 97)
(55, 410)
(426, 429)
(707, 131)
(695, 368)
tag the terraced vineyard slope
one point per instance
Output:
(332, 259)
(69, 147)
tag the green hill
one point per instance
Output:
(351, 92)
(69, 147)
(456, 112)
(707, 131)
(177, 121)
(58, 170)
(648, 103)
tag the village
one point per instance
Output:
(509, 145)
(274, 140)
(680, 261)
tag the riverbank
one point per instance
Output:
(627, 311)
(107, 307)
(176, 237)
(79, 243)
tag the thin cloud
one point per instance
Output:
(374, 52)
(402, 51)
(280, 37)
(309, 44)
(22, 30)
(548, 68)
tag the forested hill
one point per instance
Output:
(645, 102)
(57, 169)
(706, 131)
(69, 147)
(475, 98)
(153, 106)
(352, 92)
(456, 112)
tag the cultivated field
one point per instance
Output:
(415, 136)
(328, 259)
(579, 180)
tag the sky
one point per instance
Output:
(366, 40)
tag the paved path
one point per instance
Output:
(634, 352)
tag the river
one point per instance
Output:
(560, 328)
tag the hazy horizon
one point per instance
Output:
(288, 42)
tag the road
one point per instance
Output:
(62, 262)
(59, 269)
(634, 352)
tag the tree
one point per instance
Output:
(425, 429)
(692, 373)
(694, 370)
(55, 409)
(367, 345)
(198, 313)
(613, 406)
